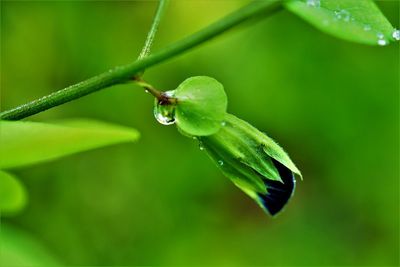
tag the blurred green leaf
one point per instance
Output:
(20, 249)
(24, 143)
(13, 196)
(353, 20)
(201, 107)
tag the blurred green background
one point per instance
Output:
(333, 105)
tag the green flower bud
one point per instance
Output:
(254, 162)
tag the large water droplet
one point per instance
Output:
(396, 34)
(165, 113)
(313, 3)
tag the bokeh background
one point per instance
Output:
(333, 105)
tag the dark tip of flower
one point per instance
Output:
(278, 193)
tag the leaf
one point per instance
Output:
(13, 196)
(353, 20)
(254, 162)
(201, 107)
(20, 249)
(24, 143)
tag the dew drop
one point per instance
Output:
(337, 14)
(382, 42)
(367, 27)
(343, 15)
(220, 162)
(313, 3)
(201, 146)
(164, 114)
(223, 123)
(381, 39)
(396, 34)
(146, 91)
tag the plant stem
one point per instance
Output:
(162, 4)
(124, 73)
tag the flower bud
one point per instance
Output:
(254, 162)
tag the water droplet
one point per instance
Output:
(201, 146)
(342, 14)
(382, 42)
(146, 91)
(165, 114)
(367, 27)
(223, 123)
(337, 14)
(313, 3)
(220, 162)
(381, 39)
(396, 34)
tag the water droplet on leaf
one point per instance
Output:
(367, 27)
(313, 3)
(396, 34)
(201, 146)
(381, 39)
(382, 42)
(343, 14)
(220, 162)
(223, 124)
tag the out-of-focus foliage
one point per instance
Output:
(13, 196)
(354, 20)
(333, 105)
(18, 248)
(24, 143)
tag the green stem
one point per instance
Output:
(161, 96)
(162, 4)
(124, 73)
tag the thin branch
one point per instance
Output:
(127, 72)
(162, 4)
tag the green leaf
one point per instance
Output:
(24, 143)
(201, 107)
(353, 20)
(20, 249)
(13, 197)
